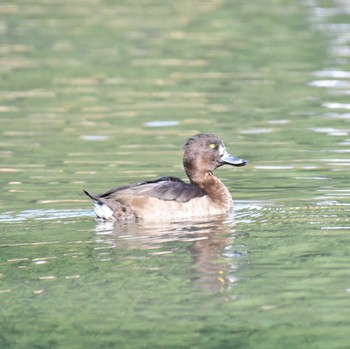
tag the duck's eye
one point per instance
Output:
(212, 146)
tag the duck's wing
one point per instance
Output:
(164, 188)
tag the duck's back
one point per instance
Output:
(164, 188)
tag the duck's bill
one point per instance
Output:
(229, 159)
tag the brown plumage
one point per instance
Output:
(170, 197)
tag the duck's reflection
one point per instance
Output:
(211, 244)
(210, 269)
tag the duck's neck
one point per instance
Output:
(214, 188)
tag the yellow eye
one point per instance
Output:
(211, 145)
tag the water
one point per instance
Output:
(99, 94)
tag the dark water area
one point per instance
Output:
(96, 94)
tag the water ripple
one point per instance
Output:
(40, 215)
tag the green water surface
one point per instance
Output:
(96, 94)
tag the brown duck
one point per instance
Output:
(171, 198)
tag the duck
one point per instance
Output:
(169, 197)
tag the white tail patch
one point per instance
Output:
(103, 211)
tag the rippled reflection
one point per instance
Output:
(210, 243)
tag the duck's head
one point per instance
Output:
(204, 153)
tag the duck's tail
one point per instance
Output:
(101, 207)
(92, 196)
